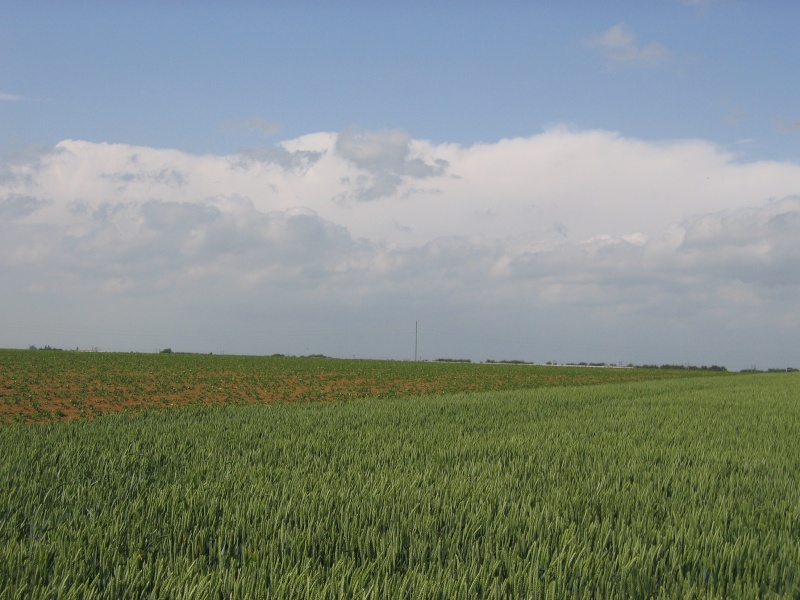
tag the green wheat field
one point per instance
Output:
(684, 487)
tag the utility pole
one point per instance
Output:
(416, 338)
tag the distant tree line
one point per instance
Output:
(49, 347)
(684, 367)
(489, 361)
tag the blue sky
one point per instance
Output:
(179, 75)
(618, 181)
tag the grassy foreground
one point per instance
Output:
(682, 488)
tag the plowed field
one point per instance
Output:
(44, 385)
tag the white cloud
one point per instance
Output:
(621, 46)
(9, 97)
(566, 234)
(387, 156)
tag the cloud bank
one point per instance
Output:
(567, 245)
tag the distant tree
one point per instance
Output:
(166, 351)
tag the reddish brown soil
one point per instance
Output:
(68, 396)
(38, 386)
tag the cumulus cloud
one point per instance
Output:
(387, 157)
(21, 163)
(583, 228)
(621, 46)
(16, 206)
(754, 246)
(757, 245)
(301, 160)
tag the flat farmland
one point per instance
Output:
(45, 385)
(677, 488)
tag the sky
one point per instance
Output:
(609, 182)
